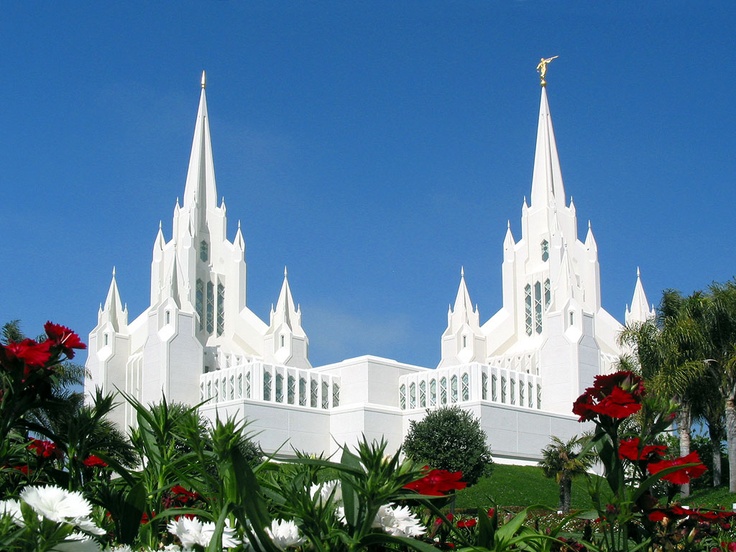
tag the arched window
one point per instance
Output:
(210, 307)
(199, 300)
(453, 389)
(443, 391)
(220, 309)
(290, 389)
(484, 386)
(538, 306)
(302, 391)
(494, 387)
(313, 393)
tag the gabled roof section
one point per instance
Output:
(201, 189)
(547, 187)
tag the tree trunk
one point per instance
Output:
(684, 421)
(731, 440)
(565, 494)
(715, 432)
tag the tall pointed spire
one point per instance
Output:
(285, 312)
(113, 310)
(201, 189)
(640, 310)
(547, 186)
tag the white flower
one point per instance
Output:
(326, 490)
(191, 532)
(86, 524)
(284, 534)
(56, 504)
(398, 521)
(11, 508)
(77, 542)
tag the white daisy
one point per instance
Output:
(11, 507)
(326, 490)
(191, 532)
(55, 503)
(77, 542)
(398, 521)
(284, 534)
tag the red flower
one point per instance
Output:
(629, 449)
(28, 351)
(619, 404)
(182, 494)
(437, 483)
(63, 337)
(467, 523)
(94, 461)
(23, 468)
(43, 448)
(683, 475)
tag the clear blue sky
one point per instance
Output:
(372, 147)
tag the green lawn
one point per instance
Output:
(520, 486)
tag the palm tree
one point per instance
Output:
(563, 461)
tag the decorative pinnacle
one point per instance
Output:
(462, 272)
(204, 79)
(542, 69)
(286, 273)
(113, 271)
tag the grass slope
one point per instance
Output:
(520, 486)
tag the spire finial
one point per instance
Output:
(542, 69)
(508, 224)
(286, 272)
(462, 271)
(204, 79)
(113, 271)
(638, 272)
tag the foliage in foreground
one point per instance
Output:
(195, 486)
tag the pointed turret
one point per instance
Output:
(462, 341)
(640, 310)
(590, 243)
(285, 340)
(201, 189)
(547, 186)
(113, 310)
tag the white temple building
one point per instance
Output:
(519, 372)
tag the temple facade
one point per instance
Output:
(518, 372)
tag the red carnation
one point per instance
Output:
(467, 523)
(437, 483)
(683, 475)
(629, 449)
(28, 351)
(43, 448)
(94, 461)
(63, 337)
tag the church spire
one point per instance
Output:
(113, 310)
(547, 186)
(285, 312)
(201, 189)
(640, 310)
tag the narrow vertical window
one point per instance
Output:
(422, 394)
(503, 389)
(465, 387)
(433, 392)
(290, 389)
(531, 395)
(199, 300)
(240, 386)
(313, 393)
(513, 391)
(465, 341)
(335, 394)
(521, 393)
(443, 391)
(204, 251)
(547, 294)
(538, 306)
(107, 339)
(494, 387)
(402, 396)
(302, 392)
(282, 340)
(220, 309)
(453, 389)
(412, 395)
(325, 395)
(545, 250)
(247, 385)
(528, 308)
(210, 307)
(279, 388)
(266, 386)
(539, 397)
(484, 386)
